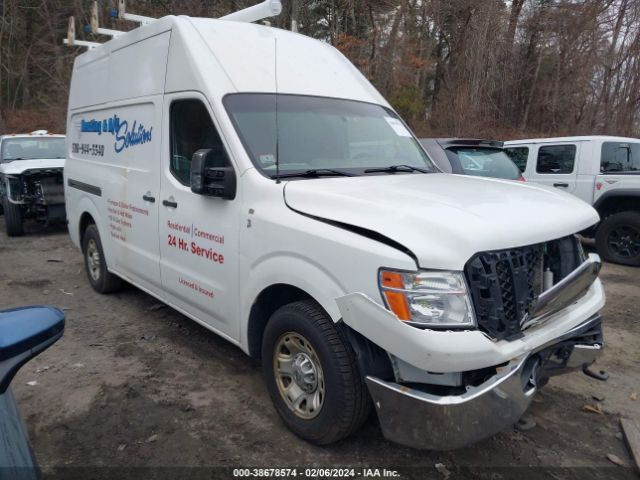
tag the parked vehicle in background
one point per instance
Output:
(24, 333)
(31, 184)
(604, 172)
(467, 156)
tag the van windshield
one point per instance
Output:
(32, 148)
(323, 134)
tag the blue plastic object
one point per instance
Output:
(25, 328)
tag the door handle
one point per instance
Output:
(561, 184)
(148, 198)
(169, 203)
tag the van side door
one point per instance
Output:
(198, 233)
(555, 165)
(115, 154)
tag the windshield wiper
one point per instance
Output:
(396, 169)
(316, 172)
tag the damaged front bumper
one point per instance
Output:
(414, 417)
(440, 416)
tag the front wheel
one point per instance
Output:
(618, 238)
(311, 374)
(13, 218)
(95, 263)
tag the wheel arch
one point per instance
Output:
(86, 219)
(617, 201)
(266, 303)
(84, 214)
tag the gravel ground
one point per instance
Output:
(136, 389)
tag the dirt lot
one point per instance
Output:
(133, 384)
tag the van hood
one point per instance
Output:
(17, 167)
(443, 219)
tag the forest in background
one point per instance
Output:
(480, 68)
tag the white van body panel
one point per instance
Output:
(280, 246)
(221, 261)
(404, 207)
(215, 259)
(302, 65)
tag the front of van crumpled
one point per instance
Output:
(455, 386)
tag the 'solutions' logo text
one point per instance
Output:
(127, 135)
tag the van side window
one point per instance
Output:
(519, 156)
(192, 130)
(556, 159)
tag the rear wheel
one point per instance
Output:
(311, 374)
(95, 263)
(618, 238)
(12, 218)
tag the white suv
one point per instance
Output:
(602, 171)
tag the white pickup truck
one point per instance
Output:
(604, 172)
(254, 180)
(31, 166)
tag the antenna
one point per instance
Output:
(275, 72)
(94, 26)
(71, 37)
(266, 9)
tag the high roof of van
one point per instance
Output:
(583, 138)
(216, 57)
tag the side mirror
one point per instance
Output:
(24, 333)
(214, 182)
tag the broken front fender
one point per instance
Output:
(445, 351)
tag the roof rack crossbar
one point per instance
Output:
(266, 9)
(121, 13)
(94, 25)
(81, 43)
(71, 37)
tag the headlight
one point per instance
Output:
(434, 299)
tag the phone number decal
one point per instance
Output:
(93, 149)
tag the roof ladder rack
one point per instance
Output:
(266, 9)
(71, 37)
(121, 14)
(94, 26)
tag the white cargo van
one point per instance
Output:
(603, 171)
(255, 181)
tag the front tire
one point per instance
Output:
(618, 238)
(95, 263)
(13, 218)
(311, 374)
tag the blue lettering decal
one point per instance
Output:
(125, 137)
(92, 126)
